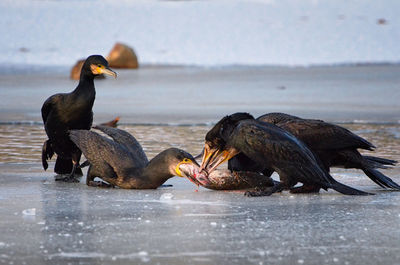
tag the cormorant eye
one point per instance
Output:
(186, 160)
(99, 65)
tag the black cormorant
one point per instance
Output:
(121, 161)
(334, 145)
(273, 148)
(66, 111)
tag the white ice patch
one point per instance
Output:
(213, 224)
(166, 196)
(30, 212)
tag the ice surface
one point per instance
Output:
(202, 32)
(31, 211)
(77, 224)
(166, 196)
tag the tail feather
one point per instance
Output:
(344, 189)
(381, 179)
(47, 153)
(378, 162)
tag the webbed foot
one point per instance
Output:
(68, 178)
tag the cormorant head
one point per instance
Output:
(183, 164)
(96, 65)
(219, 135)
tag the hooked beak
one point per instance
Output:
(108, 71)
(208, 153)
(220, 157)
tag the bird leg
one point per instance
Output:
(268, 191)
(306, 188)
(69, 177)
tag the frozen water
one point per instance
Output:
(166, 196)
(315, 229)
(31, 211)
(76, 224)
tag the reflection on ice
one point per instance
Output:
(215, 214)
(178, 202)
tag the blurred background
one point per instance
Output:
(202, 33)
(200, 60)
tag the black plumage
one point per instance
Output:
(334, 145)
(271, 147)
(66, 111)
(121, 161)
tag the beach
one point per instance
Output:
(47, 222)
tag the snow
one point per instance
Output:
(207, 33)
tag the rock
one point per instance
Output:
(76, 70)
(122, 56)
(381, 21)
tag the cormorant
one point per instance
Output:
(121, 161)
(66, 111)
(273, 148)
(334, 145)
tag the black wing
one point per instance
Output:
(277, 117)
(48, 107)
(100, 150)
(278, 149)
(319, 135)
(127, 140)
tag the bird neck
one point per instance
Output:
(158, 170)
(86, 86)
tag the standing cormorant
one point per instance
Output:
(334, 145)
(121, 161)
(273, 148)
(66, 111)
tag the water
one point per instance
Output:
(22, 143)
